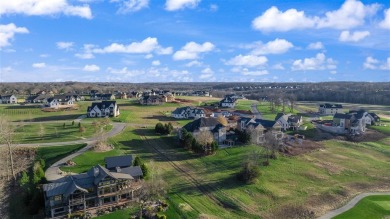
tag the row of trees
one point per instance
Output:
(202, 143)
(30, 182)
(166, 129)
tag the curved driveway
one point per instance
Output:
(350, 204)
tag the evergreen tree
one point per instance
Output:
(137, 161)
(145, 170)
(24, 182)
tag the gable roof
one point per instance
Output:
(134, 171)
(228, 99)
(331, 106)
(118, 161)
(201, 122)
(101, 105)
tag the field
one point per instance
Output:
(53, 132)
(373, 207)
(318, 181)
(266, 112)
(33, 113)
(378, 109)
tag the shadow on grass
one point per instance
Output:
(53, 118)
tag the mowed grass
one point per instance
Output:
(34, 113)
(264, 109)
(318, 181)
(53, 132)
(244, 104)
(51, 154)
(373, 207)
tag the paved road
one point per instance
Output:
(350, 204)
(256, 112)
(54, 172)
(117, 128)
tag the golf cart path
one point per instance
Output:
(350, 204)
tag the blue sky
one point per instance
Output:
(194, 40)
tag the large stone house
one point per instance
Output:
(330, 109)
(41, 98)
(353, 122)
(260, 126)
(99, 188)
(188, 112)
(207, 124)
(103, 109)
(288, 121)
(228, 102)
(6, 99)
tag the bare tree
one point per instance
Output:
(41, 132)
(155, 187)
(272, 144)
(6, 137)
(222, 120)
(204, 137)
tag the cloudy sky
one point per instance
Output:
(194, 40)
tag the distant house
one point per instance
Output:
(201, 93)
(295, 121)
(123, 164)
(169, 97)
(288, 121)
(228, 102)
(188, 112)
(7, 99)
(103, 109)
(151, 100)
(42, 98)
(207, 124)
(282, 119)
(59, 100)
(97, 96)
(330, 109)
(120, 95)
(100, 187)
(353, 122)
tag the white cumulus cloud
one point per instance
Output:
(319, 62)
(132, 5)
(247, 72)
(156, 63)
(356, 36)
(385, 24)
(44, 7)
(248, 60)
(315, 46)
(173, 5)
(278, 46)
(8, 31)
(192, 50)
(373, 64)
(39, 65)
(275, 20)
(207, 73)
(351, 14)
(65, 45)
(91, 68)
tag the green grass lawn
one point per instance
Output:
(265, 111)
(54, 153)
(373, 207)
(53, 132)
(312, 180)
(33, 112)
(244, 104)
(124, 213)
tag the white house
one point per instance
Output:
(103, 109)
(52, 103)
(4, 99)
(228, 102)
(282, 119)
(330, 109)
(188, 112)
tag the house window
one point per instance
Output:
(57, 198)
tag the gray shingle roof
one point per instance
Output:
(118, 161)
(201, 122)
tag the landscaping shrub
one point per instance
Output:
(249, 173)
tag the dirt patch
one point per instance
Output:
(331, 168)
(177, 100)
(369, 136)
(207, 216)
(291, 212)
(295, 148)
(60, 109)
